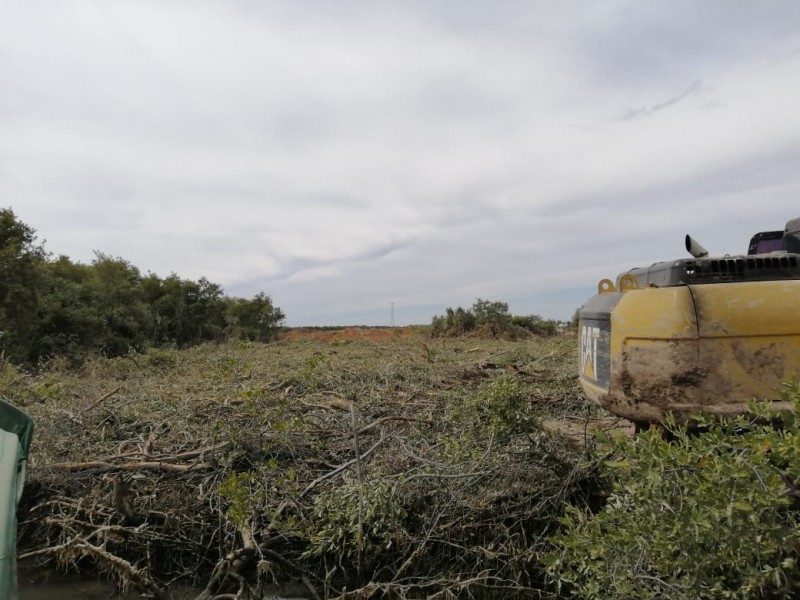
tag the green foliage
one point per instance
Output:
(574, 322)
(709, 514)
(256, 319)
(491, 318)
(186, 312)
(56, 308)
(455, 322)
(161, 357)
(536, 324)
(491, 313)
(340, 532)
(448, 509)
(20, 273)
(244, 495)
(313, 371)
(501, 409)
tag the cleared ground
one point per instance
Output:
(357, 461)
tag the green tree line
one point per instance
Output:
(490, 317)
(51, 306)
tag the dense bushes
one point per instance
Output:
(705, 515)
(490, 318)
(54, 307)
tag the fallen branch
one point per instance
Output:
(344, 467)
(168, 458)
(335, 404)
(102, 467)
(383, 420)
(128, 574)
(102, 399)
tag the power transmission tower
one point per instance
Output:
(392, 314)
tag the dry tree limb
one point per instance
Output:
(306, 579)
(248, 539)
(150, 444)
(383, 420)
(98, 529)
(483, 364)
(127, 574)
(344, 466)
(103, 467)
(360, 478)
(231, 567)
(123, 498)
(335, 404)
(169, 458)
(195, 453)
(276, 386)
(230, 570)
(311, 589)
(428, 354)
(102, 399)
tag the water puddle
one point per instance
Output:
(48, 584)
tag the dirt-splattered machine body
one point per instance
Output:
(695, 335)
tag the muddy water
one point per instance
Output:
(69, 588)
(41, 583)
(74, 590)
(38, 583)
(49, 585)
(92, 590)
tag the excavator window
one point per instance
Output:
(766, 242)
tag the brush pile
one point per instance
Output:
(349, 469)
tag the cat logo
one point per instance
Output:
(589, 337)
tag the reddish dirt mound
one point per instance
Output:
(372, 334)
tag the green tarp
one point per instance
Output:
(16, 432)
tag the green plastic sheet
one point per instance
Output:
(16, 433)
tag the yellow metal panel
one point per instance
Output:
(754, 308)
(750, 336)
(710, 348)
(652, 314)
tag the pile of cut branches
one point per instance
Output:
(353, 470)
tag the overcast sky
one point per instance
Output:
(343, 156)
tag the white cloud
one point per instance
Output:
(426, 153)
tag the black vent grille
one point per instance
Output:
(771, 262)
(759, 267)
(743, 268)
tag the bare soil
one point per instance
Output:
(349, 334)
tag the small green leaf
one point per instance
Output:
(618, 464)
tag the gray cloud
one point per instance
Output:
(343, 157)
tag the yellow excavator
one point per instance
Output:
(696, 335)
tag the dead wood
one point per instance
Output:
(101, 467)
(102, 399)
(213, 474)
(382, 420)
(343, 467)
(126, 574)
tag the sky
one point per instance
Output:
(354, 158)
